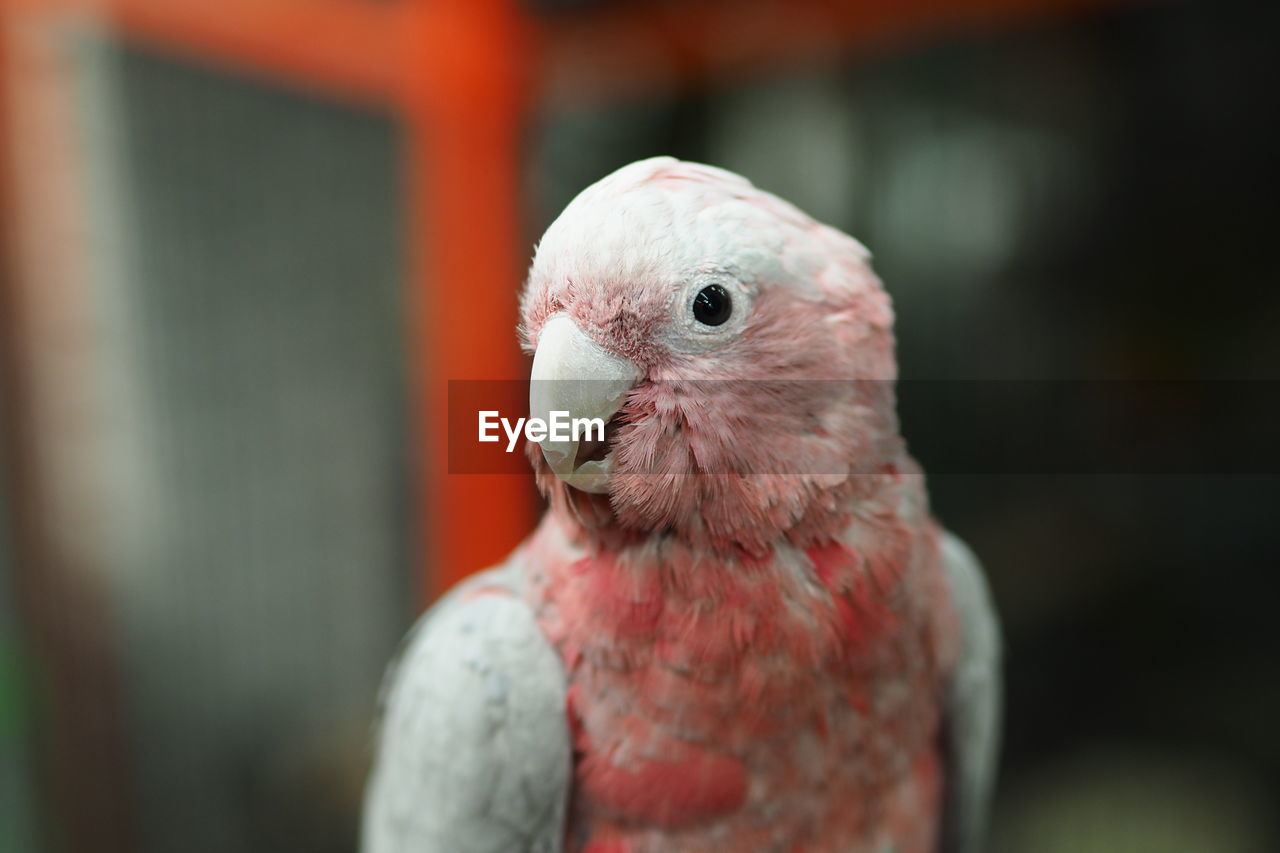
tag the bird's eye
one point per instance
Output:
(712, 306)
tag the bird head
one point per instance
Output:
(740, 353)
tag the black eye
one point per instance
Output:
(712, 306)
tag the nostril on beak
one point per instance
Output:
(595, 450)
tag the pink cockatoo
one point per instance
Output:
(737, 627)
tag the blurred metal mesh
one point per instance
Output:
(247, 277)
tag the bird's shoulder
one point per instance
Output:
(972, 711)
(473, 751)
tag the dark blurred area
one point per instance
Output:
(212, 525)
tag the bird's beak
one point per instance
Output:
(576, 378)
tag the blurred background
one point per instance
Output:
(246, 244)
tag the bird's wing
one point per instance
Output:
(973, 703)
(474, 749)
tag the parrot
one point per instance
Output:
(737, 626)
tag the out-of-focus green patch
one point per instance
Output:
(1119, 801)
(14, 699)
(10, 690)
(16, 796)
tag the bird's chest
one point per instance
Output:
(755, 709)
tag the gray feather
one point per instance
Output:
(474, 750)
(973, 703)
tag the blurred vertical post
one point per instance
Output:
(69, 636)
(465, 95)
